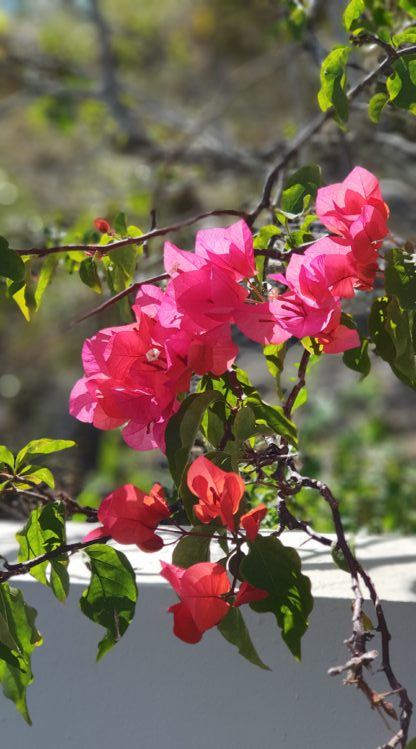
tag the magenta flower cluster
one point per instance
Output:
(134, 373)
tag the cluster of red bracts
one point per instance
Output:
(130, 516)
(205, 597)
(135, 374)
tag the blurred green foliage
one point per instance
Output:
(197, 83)
(116, 464)
(348, 442)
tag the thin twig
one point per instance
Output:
(21, 568)
(121, 294)
(356, 571)
(316, 124)
(46, 496)
(288, 406)
(106, 248)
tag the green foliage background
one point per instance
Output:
(205, 95)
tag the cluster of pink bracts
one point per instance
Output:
(134, 373)
(130, 516)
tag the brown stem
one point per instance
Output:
(357, 571)
(46, 495)
(290, 522)
(367, 38)
(21, 568)
(121, 294)
(303, 365)
(104, 249)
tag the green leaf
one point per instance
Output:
(38, 475)
(182, 430)
(367, 623)
(376, 106)
(271, 416)
(358, 359)
(15, 683)
(276, 568)
(233, 628)
(298, 237)
(300, 399)
(22, 292)
(405, 37)
(378, 324)
(7, 655)
(352, 13)
(213, 424)
(59, 578)
(411, 744)
(312, 345)
(47, 271)
(393, 331)
(43, 446)
(31, 545)
(17, 291)
(194, 548)
(20, 619)
(110, 599)
(88, 274)
(23, 633)
(121, 267)
(297, 19)
(134, 231)
(401, 85)
(307, 222)
(274, 418)
(222, 385)
(234, 563)
(303, 183)
(338, 555)
(266, 233)
(11, 264)
(221, 459)
(275, 359)
(410, 7)
(333, 83)
(6, 456)
(104, 240)
(44, 532)
(6, 636)
(400, 278)
(244, 423)
(120, 224)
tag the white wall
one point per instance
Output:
(153, 691)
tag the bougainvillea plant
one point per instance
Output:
(169, 379)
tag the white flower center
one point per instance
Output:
(153, 354)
